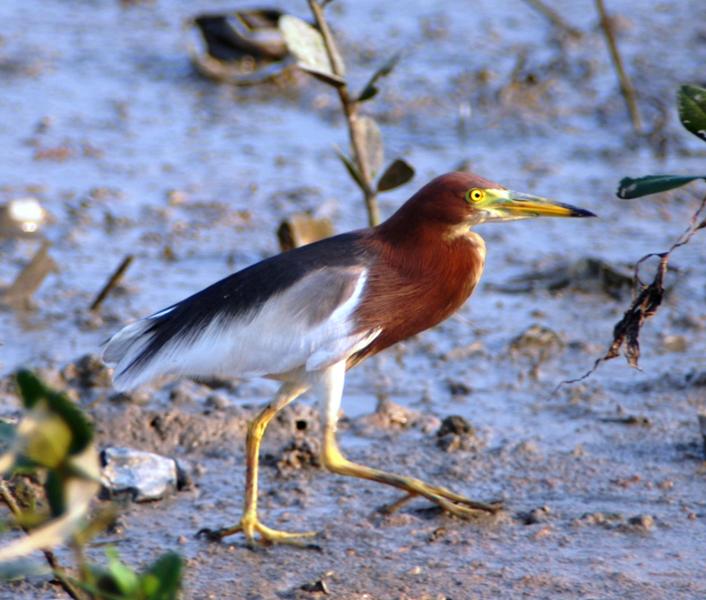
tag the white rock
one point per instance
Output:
(145, 475)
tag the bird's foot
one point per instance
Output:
(256, 532)
(447, 500)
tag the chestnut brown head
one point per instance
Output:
(463, 200)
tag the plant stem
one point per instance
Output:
(350, 109)
(554, 17)
(111, 283)
(626, 86)
(49, 556)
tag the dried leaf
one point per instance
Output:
(397, 174)
(373, 146)
(370, 89)
(644, 306)
(652, 184)
(691, 100)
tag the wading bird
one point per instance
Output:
(306, 316)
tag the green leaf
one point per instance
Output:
(352, 169)
(46, 439)
(54, 489)
(652, 184)
(123, 577)
(691, 100)
(371, 89)
(397, 174)
(33, 390)
(307, 45)
(163, 579)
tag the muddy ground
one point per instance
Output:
(106, 123)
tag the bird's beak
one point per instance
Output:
(506, 205)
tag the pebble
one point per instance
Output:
(143, 475)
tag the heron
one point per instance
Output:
(308, 315)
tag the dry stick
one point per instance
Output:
(626, 86)
(112, 282)
(51, 559)
(696, 223)
(350, 109)
(555, 18)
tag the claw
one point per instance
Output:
(267, 536)
(447, 500)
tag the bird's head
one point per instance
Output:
(461, 200)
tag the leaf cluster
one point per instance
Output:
(316, 52)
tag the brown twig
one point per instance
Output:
(30, 278)
(112, 282)
(626, 86)
(555, 18)
(350, 109)
(49, 556)
(645, 303)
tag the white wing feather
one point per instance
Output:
(278, 338)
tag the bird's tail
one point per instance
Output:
(125, 351)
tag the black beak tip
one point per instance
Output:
(580, 212)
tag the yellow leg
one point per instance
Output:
(249, 524)
(449, 501)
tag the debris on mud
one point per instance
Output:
(244, 47)
(301, 229)
(588, 275)
(89, 371)
(639, 420)
(141, 475)
(537, 515)
(19, 293)
(457, 434)
(301, 453)
(702, 430)
(316, 587)
(618, 522)
(537, 344)
(21, 217)
(389, 415)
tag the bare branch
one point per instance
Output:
(626, 86)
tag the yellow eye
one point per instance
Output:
(475, 195)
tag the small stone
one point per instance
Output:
(455, 424)
(315, 587)
(142, 475)
(641, 522)
(185, 480)
(176, 197)
(217, 401)
(536, 515)
(459, 388)
(89, 371)
(674, 343)
(139, 397)
(455, 433)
